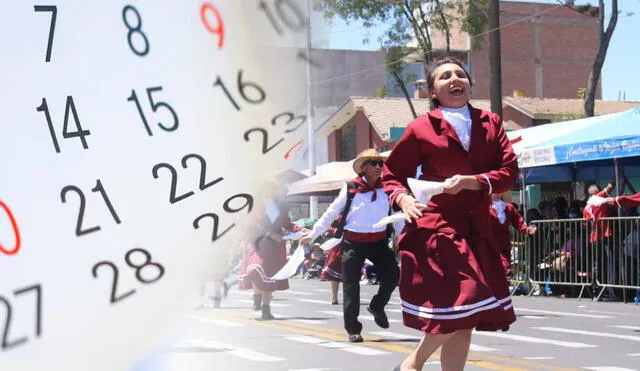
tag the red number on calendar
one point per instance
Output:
(219, 29)
(293, 150)
(16, 232)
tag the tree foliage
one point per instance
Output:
(412, 20)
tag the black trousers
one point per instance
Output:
(354, 254)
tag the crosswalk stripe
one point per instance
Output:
(307, 321)
(316, 301)
(634, 354)
(589, 333)
(635, 328)
(370, 318)
(272, 304)
(529, 339)
(568, 314)
(608, 368)
(337, 345)
(219, 322)
(229, 349)
(396, 335)
(297, 292)
(322, 290)
(538, 358)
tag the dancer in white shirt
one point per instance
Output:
(361, 240)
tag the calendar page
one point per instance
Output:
(134, 137)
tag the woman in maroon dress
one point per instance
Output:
(451, 278)
(332, 270)
(504, 215)
(266, 252)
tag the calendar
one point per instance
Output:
(134, 137)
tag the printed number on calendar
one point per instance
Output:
(155, 105)
(209, 8)
(228, 207)
(79, 224)
(7, 307)
(204, 184)
(16, 232)
(70, 107)
(290, 120)
(139, 268)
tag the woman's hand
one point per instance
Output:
(531, 230)
(457, 183)
(411, 208)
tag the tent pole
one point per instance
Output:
(523, 196)
(616, 167)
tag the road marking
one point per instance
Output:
(334, 344)
(272, 304)
(322, 290)
(396, 335)
(396, 303)
(634, 354)
(219, 322)
(297, 292)
(538, 358)
(528, 339)
(482, 360)
(608, 368)
(314, 369)
(315, 301)
(635, 328)
(370, 318)
(568, 314)
(307, 321)
(238, 352)
(589, 333)
(535, 317)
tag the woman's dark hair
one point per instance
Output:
(437, 63)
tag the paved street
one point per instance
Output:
(550, 334)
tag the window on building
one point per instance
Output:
(348, 141)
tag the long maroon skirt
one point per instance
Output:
(447, 284)
(332, 270)
(259, 265)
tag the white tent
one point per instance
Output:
(329, 178)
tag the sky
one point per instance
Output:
(619, 73)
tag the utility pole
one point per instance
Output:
(311, 138)
(494, 56)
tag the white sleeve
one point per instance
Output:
(329, 216)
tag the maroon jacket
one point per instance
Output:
(430, 141)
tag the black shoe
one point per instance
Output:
(266, 313)
(355, 338)
(335, 302)
(257, 302)
(379, 316)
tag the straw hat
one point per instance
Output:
(364, 156)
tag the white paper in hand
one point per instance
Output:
(294, 235)
(424, 190)
(389, 220)
(272, 209)
(292, 265)
(596, 201)
(330, 244)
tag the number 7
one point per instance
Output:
(52, 28)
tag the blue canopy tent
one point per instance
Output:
(599, 138)
(584, 153)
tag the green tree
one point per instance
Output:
(409, 20)
(394, 60)
(604, 38)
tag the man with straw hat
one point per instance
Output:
(361, 203)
